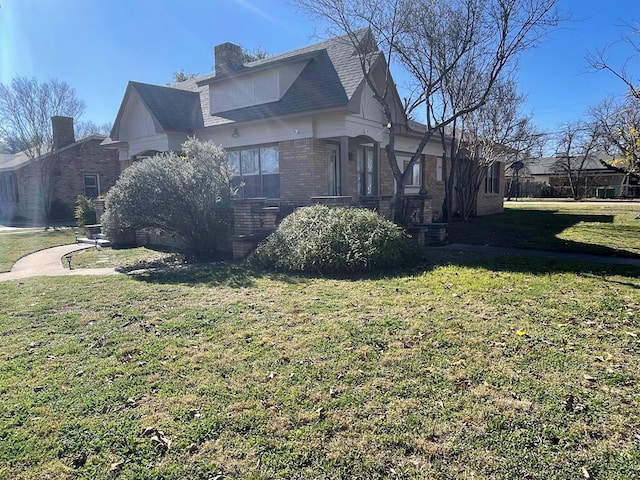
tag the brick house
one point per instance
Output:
(299, 128)
(81, 167)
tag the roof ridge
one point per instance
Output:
(321, 45)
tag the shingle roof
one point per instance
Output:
(330, 79)
(176, 110)
(555, 165)
(14, 161)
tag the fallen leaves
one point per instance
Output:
(157, 438)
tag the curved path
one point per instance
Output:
(48, 263)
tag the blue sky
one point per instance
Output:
(98, 45)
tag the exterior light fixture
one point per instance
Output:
(235, 133)
(68, 258)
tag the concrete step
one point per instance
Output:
(103, 242)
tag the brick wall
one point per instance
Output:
(489, 203)
(72, 164)
(435, 189)
(303, 171)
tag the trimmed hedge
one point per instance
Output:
(321, 239)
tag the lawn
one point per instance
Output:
(584, 227)
(14, 246)
(470, 367)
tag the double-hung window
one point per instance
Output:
(414, 177)
(9, 188)
(492, 180)
(256, 172)
(91, 186)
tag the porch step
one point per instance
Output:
(102, 242)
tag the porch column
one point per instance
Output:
(345, 180)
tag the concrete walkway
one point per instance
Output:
(48, 263)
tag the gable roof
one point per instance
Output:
(176, 110)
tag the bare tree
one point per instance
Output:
(576, 145)
(619, 135)
(495, 132)
(89, 127)
(452, 51)
(619, 119)
(26, 108)
(600, 62)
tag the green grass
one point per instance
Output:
(583, 227)
(470, 368)
(125, 258)
(14, 246)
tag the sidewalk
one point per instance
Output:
(48, 263)
(514, 252)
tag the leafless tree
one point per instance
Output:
(26, 108)
(89, 127)
(619, 119)
(576, 145)
(599, 61)
(495, 132)
(453, 53)
(619, 135)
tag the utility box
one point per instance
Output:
(606, 192)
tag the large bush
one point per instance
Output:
(335, 240)
(186, 194)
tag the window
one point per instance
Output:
(256, 172)
(439, 175)
(367, 172)
(414, 178)
(9, 188)
(91, 186)
(492, 180)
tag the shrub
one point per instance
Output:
(85, 212)
(187, 194)
(335, 240)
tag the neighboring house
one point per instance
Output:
(81, 167)
(549, 177)
(299, 128)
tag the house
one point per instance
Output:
(71, 168)
(299, 128)
(549, 177)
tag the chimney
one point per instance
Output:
(227, 58)
(62, 131)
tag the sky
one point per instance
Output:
(97, 46)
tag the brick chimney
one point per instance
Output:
(227, 58)
(62, 131)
